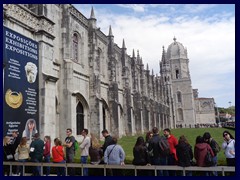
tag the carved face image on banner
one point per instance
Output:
(31, 72)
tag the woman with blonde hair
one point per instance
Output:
(7, 154)
(95, 151)
(23, 150)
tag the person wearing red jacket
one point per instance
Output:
(172, 158)
(200, 151)
(58, 156)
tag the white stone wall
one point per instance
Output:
(208, 118)
(205, 111)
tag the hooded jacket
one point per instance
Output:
(184, 154)
(200, 152)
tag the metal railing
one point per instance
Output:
(222, 169)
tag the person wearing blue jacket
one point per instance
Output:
(114, 155)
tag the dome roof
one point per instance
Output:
(176, 50)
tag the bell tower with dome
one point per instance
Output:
(183, 101)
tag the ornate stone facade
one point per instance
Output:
(88, 81)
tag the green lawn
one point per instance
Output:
(128, 142)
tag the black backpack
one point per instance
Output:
(164, 146)
(208, 159)
(215, 147)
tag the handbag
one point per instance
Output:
(16, 156)
(9, 157)
(193, 163)
(208, 159)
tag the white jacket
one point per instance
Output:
(228, 146)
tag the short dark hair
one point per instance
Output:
(155, 130)
(167, 129)
(199, 139)
(85, 130)
(69, 129)
(36, 135)
(105, 131)
(114, 140)
(206, 135)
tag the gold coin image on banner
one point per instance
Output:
(13, 98)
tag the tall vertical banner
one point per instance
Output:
(20, 86)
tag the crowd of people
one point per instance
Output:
(154, 149)
(199, 125)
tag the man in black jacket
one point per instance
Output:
(158, 157)
(108, 139)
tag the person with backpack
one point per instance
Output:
(184, 154)
(201, 150)
(148, 136)
(70, 150)
(215, 147)
(159, 157)
(172, 157)
(84, 146)
(140, 156)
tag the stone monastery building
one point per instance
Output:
(88, 81)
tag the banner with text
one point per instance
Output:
(20, 82)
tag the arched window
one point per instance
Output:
(104, 118)
(177, 74)
(75, 47)
(80, 118)
(179, 97)
(57, 105)
(180, 114)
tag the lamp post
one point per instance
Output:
(229, 103)
(229, 110)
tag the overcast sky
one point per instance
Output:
(206, 30)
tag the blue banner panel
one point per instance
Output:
(20, 86)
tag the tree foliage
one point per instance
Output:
(229, 110)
